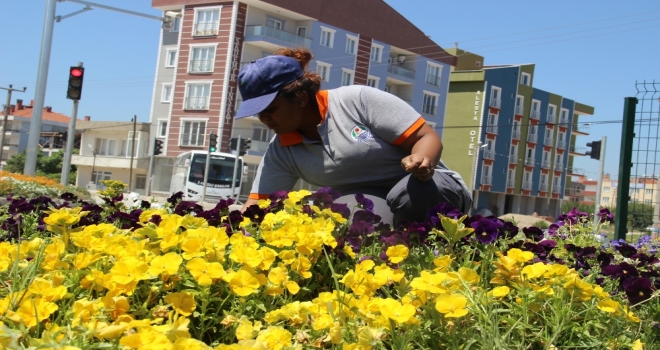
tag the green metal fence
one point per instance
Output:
(638, 195)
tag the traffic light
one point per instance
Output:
(245, 145)
(76, 75)
(213, 142)
(594, 152)
(158, 147)
(233, 143)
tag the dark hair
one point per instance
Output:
(308, 82)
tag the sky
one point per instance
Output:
(591, 51)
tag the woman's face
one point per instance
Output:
(282, 116)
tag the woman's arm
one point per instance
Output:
(425, 148)
(248, 203)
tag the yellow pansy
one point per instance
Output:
(394, 310)
(397, 253)
(168, 263)
(182, 302)
(204, 272)
(451, 305)
(243, 283)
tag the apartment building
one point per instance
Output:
(53, 131)
(195, 89)
(106, 152)
(512, 142)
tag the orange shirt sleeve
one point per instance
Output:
(411, 130)
(258, 196)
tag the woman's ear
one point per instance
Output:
(303, 98)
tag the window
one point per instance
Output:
(259, 133)
(606, 189)
(327, 37)
(201, 59)
(351, 44)
(162, 128)
(140, 181)
(486, 175)
(647, 201)
(526, 79)
(176, 24)
(197, 96)
(192, 133)
(548, 134)
(373, 82)
(533, 130)
(492, 119)
(170, 58)
(433, 74)
(495, 97)
(323, 69)
(520, 101)
(552, 110)
(105, 147)
(514, 154)
(122, 148)
(98, 176)
(273, 23)
(302, 31)
(129, 144)
(564, 115)
(388, 88)
(536, 109)
(649, 192)
(207, 21)
(546, 159)
(167, 93)
(376, 52)
(544, 180)
(429, 103)
(346, 77)
(606, 199)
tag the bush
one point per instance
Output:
(542, 224)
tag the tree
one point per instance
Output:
(48, 166)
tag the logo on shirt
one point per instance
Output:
(360, 133)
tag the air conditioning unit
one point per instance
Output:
(401, 58)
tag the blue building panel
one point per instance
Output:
(335, 56)
(506, 79)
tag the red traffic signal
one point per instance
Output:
(74, 90)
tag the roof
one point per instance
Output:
(26, 112)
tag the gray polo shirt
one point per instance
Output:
(361, 134)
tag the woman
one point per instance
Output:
(355, 139)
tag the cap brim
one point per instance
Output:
(255, 105)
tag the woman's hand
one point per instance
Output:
(419, 166)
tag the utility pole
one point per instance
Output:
(44, 62)
(239, 143)
(10, 89)
(130, 168)
(70, 136)
(600, 180)
(206, 170)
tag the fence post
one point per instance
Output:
(625, 164)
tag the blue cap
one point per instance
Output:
(261, 80)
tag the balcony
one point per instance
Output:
(201, 66)
(535, 115)
(277, 34)
(543, 188)
(572, 192)
(516, 134)
(110, 161)
(582, 129)
(561, 144)
(527, 185)
(552, 119)
(545, 164)
(513, 159)
(510, 183)
(486, 180)
(577, 151)
(530, 162)
(495, 103)
(404, 72)
(491, 129)
(488, 154)
(519, 110)
(556, 189)
(575, 171)
(532, 138)
(559, 166)
(548, 141)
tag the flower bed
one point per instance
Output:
(295, 272)
(12, 184)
